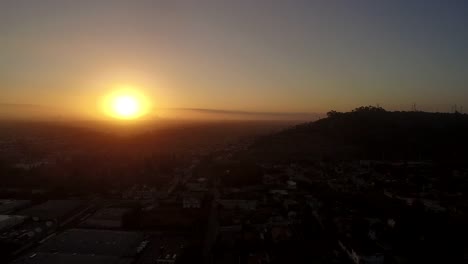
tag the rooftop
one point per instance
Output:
(108, 217)
(97, 242)
(52, 209)
(46, 258)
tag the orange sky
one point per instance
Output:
(254, 56)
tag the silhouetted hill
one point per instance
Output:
(372, 133)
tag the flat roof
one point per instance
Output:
(46, 258)
(160, 246)
(110, 213)
(97, 242)
(52, 209)
(107, 217)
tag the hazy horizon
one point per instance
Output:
(240, 56)
(9, 111)
(40, 112)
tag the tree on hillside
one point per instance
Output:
(369, 109)
(333, 114)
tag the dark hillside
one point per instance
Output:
(372, 133)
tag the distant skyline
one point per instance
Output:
(243, 56)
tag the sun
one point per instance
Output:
(126, 104)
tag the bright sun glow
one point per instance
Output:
(126, 104)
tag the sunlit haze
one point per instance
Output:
(284, 57)
(126, 106)
(126, 103)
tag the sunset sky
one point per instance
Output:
(261, 56)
